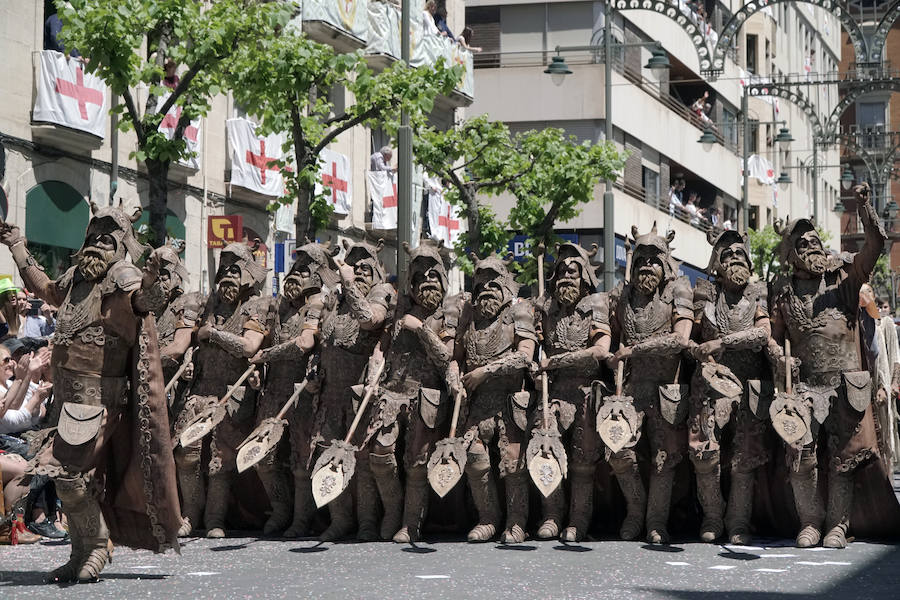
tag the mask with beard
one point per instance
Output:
(428, 292)
(229, 289)
(293, 287)
(488, 300)
(812, 260)
(735, 268)
(568, 284)
(649, 276)
(94, 262)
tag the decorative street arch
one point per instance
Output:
(852, 94)
(879, 164)
(879, 37)
(791, 95)
(726, 36)
(671, 9)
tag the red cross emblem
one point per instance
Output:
(171, 122)
(448, 222)
(335, 183)
(261, 161)
(83, 94)
(391, 201)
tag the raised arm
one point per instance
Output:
(32, 273)
(875, 237)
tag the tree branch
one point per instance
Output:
(133, 115)
(179, 89)
(341, 129)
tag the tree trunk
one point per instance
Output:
(473, 221)
(305, 226)
(159, 196)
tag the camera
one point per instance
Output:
(35, 307)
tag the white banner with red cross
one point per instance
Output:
(69, 96)
(191, 133)
(443, 217)
(253, 156)
(383, 192)
(334, 173)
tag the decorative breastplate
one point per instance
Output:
(343, 331)
(566, 333)
(652, 319)
(720, 319)
(80, 318)
(820, 330)
(484, 345)
(285, 329)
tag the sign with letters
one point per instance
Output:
(223, 230)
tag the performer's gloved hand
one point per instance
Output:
(474, 378)
(881, 396)
(188, 373)
(10, 235)
(707, 350)
(255, 381)
(623, 353)
(410, 323)
(204, 332)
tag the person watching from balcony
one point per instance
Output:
(429, 24)
(701, 107)
(440, 19)
(691, 209)
(465, 40)
(676, 206)
(52, 26)
(381, 160)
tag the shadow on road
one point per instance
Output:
(11, 579)
(661, 548)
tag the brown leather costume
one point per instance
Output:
(288, 364)
(731, 395)
(818, 314)
(110, 449)
(497, 411)
(410, 405)
(349, 333)
(567, 334)
(646, 324)
(217, 363)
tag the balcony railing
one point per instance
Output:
(662, 204)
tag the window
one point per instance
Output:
(870, 114)
(729, 127)
(754, 137)
(650, 179)
(751, 54)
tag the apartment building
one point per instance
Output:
(869, 132)
(659, 119)
(48, 171)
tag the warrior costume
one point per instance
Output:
(110, 453)
(411, 400)
(349, 333)
(498, 409)
(646, 323)
(217, 363)
(288, 364)
(817, 312)
(731, 394)
(567, 334)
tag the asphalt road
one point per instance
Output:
(253, 568)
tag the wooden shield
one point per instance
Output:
(327, 484)
(615, 432)
(789, 426)
(545, 473)
(79, 423)
(444, 476)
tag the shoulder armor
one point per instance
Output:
(451, 311)
(682, 296)
(65, 280)
(596, 305)
(522, 312)
(191, 305)
(258, 308)
(704, 291)
(124, 276)
(383, 294)
(615, 295)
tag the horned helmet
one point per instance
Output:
(495, 269)
(115, 222)
(366, 254)
(170, 264)
(816, 260)
(651, 244)
(316, 262)
(726, 240)
(253, 274)
(569, 252)
(423, 258)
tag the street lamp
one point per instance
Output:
(847, 178)
(558, 69)
(784, 137)
(659, 63)
(784, 180)
(839, 207)
(708, 139)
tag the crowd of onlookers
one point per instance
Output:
(686, 205)
(434, 22)
(26, 388)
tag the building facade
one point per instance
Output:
(49, 172)
(658, 120)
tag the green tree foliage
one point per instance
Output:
(285, 82)
(128, 42)
(549, 173)
(560, 184)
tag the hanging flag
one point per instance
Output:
(191, 132)
(69, 96)
(252, 157)
(382, 187)
(443, 218)
(761, 169)
(334, 174)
